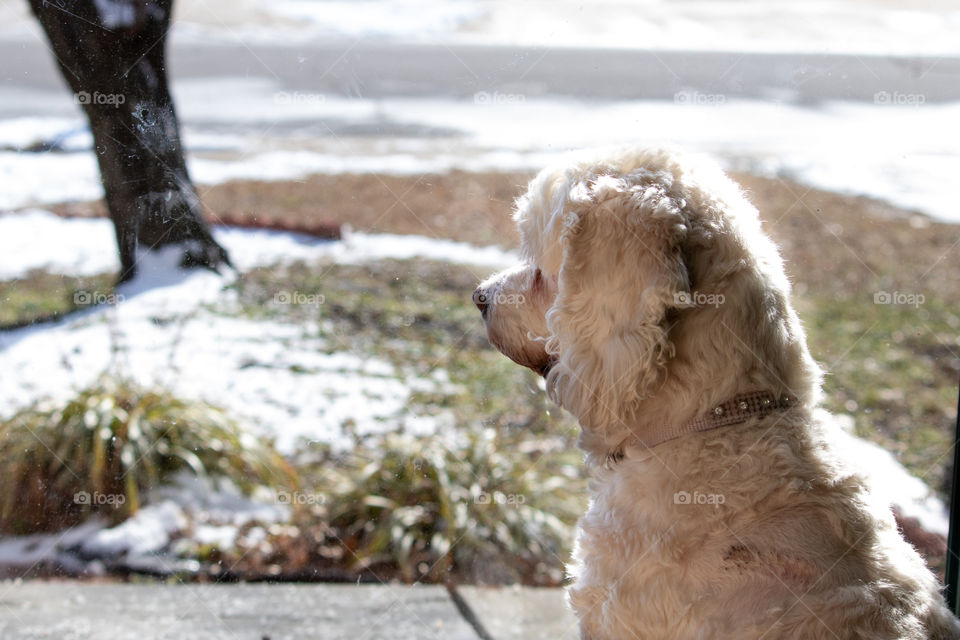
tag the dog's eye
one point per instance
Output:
(537, 277)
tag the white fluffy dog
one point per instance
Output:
(658, 312)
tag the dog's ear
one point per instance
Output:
(622, 272)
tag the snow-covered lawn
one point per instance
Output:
(172, 327)
(161, 330)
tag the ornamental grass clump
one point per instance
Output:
(485, 507)
(101, 451)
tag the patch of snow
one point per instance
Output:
(213, 100)
(905, 154)
(147, 532)
(115, 14)
(253, 537)
(220, 503)
(290, 165)
(375, 18)
(28, 551)
(189, 511)
(850, 26)
(197, 140)
(67, 134)
(37, 239)
(221, 536)
(254, 248)
(899, 487)
(784, 26)
(274, 376)
(156, 328)
(47, 178)
(889, 480)
(862, 27)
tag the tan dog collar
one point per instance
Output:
(739, 409)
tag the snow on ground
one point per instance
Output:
(37, 239)
(926, 27)
(889, 479)
(855, 26)
(276, 375)
(906, 154)
(408, 19)
(189, 511)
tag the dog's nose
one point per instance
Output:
(480, 299)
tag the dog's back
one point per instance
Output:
(754, 533)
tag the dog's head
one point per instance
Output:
(647, 293)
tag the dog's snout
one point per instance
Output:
(480, 299)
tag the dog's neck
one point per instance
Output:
(737, 410)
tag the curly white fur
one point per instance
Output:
(649, 294)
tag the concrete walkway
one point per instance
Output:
(74, 611)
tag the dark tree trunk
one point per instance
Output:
(114, 63)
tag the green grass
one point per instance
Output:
(41, 296)
(893, 368)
